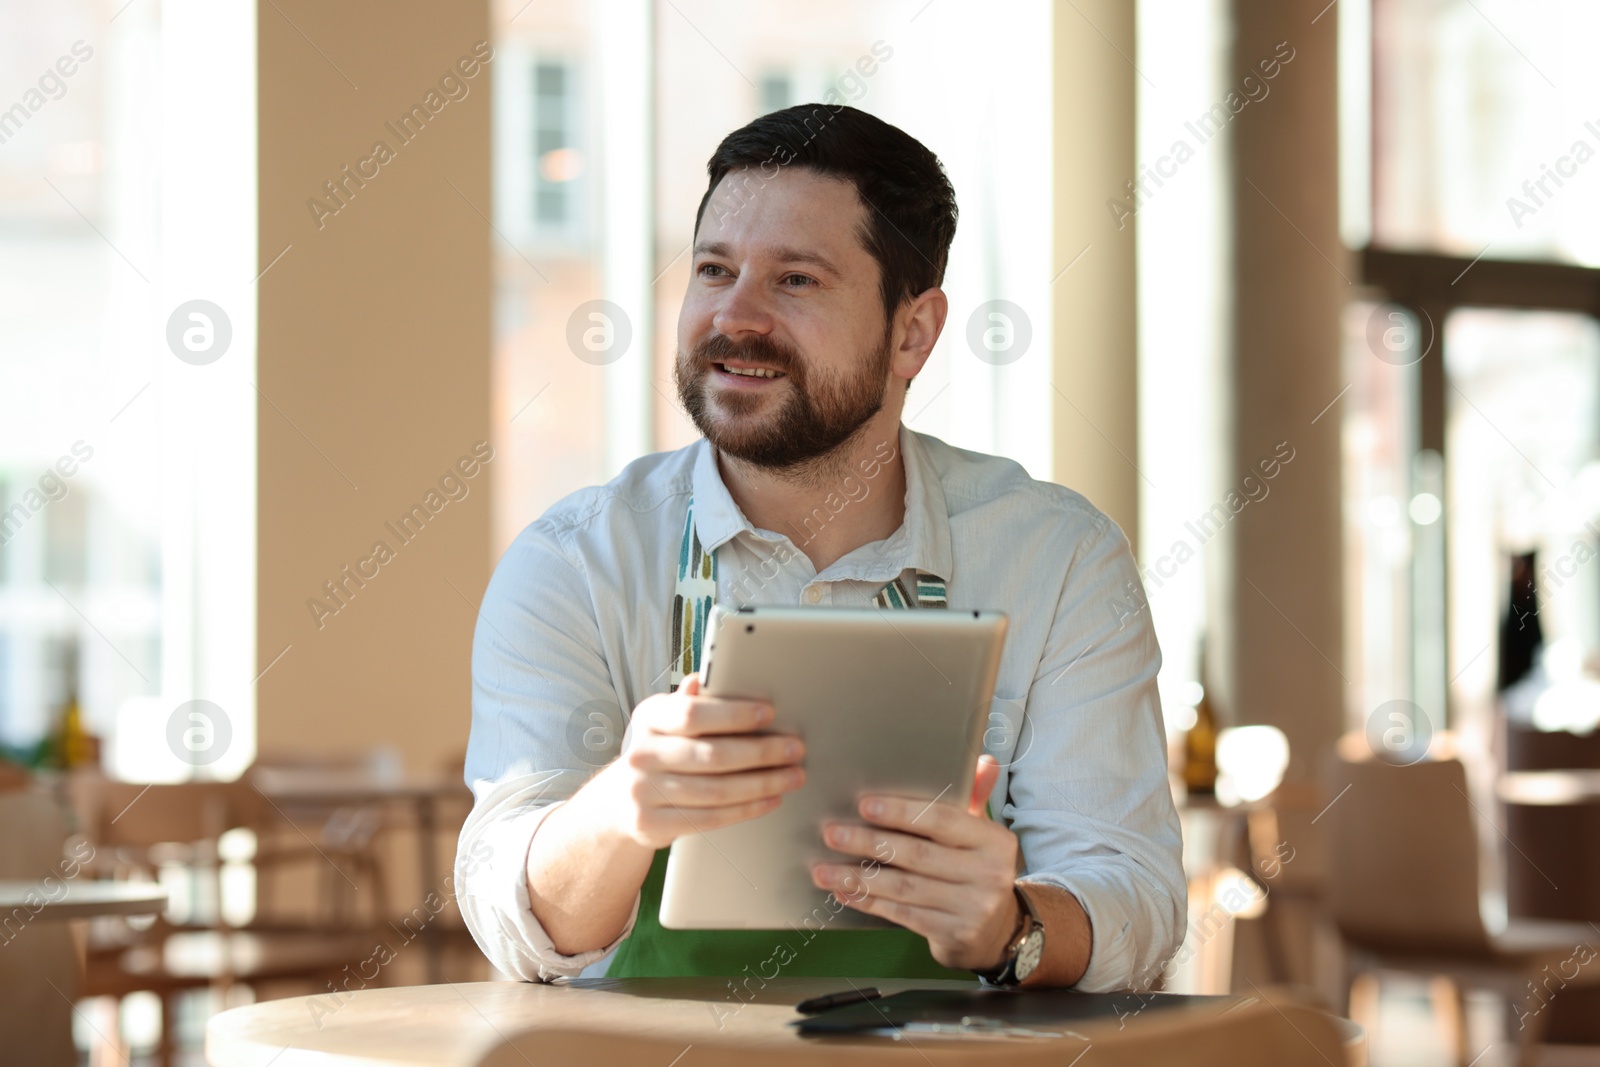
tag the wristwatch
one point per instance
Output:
(1026, 948)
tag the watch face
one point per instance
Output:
(1029, 954)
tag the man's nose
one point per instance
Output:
(745, 308)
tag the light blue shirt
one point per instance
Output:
(575, 630)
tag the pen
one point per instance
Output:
(834, 1000)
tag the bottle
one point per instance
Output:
(1200, 743)
(75, 748)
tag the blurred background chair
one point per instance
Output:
(1404, 886)
(175, 834)
(353, 833)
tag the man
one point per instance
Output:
(814, 300)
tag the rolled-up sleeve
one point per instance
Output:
(544, 717)
(1088, 798)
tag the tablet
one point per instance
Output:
(887, 701)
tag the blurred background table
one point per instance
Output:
(82, 900)
(37, 964)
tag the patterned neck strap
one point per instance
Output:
(697, 592)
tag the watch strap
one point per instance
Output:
(1027, 921)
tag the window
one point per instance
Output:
(1182, 279)
(1485, 136)
(1524, 441)
(1379, 439)
(558, 163)
(658, 95)
(777, 91)
(1485, 232)
(127, 468)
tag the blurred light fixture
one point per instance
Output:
(1250, 761)
(561, 164)
(1572, 705)
(1383, 511)
(1178, 701)
(1239, 894)
(1181, 718)
(1426, 509)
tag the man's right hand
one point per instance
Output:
(694, 763)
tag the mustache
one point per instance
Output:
(719, 348)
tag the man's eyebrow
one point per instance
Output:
(784, 254)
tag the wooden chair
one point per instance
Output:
(349, 835)
(1287, 858)
(1259, 1033)
(35, 954)
(138, 830)
(1404, 884)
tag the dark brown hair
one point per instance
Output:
(910, 203)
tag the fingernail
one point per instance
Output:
(873, 807)
(792, 750)
(765, 713)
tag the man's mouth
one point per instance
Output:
(748, 371)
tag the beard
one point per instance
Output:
(816, 415)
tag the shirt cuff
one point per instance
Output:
(1127, 948)
(492, 869)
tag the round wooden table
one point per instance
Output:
(456, 1025)
(602, 1022)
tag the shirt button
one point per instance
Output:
(813, 595)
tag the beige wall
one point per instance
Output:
(374, 374)
(1095, 415)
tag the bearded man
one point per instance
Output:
(814, 299)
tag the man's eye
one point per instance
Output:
(706, 270)
(798, 279)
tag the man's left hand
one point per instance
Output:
(941, 872)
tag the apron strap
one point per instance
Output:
(696, 592)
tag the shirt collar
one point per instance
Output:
(922, 540)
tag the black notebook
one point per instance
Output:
(989, 1008)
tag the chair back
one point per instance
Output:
(32, 830)
(128, 815)
(140, 829)
(1404, 870)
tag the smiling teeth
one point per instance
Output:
(753, 372)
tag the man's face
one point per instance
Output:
(781, 284)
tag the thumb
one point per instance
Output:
(983, 783)
(691, 685)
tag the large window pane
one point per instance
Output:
(1485, 134)
(713, 65)
(1383, 514)
(1524, 446)
(127, 487)
(80, 526)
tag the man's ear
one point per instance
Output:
(921, 321)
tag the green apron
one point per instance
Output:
(652, 951)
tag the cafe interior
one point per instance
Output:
(1304, 294)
